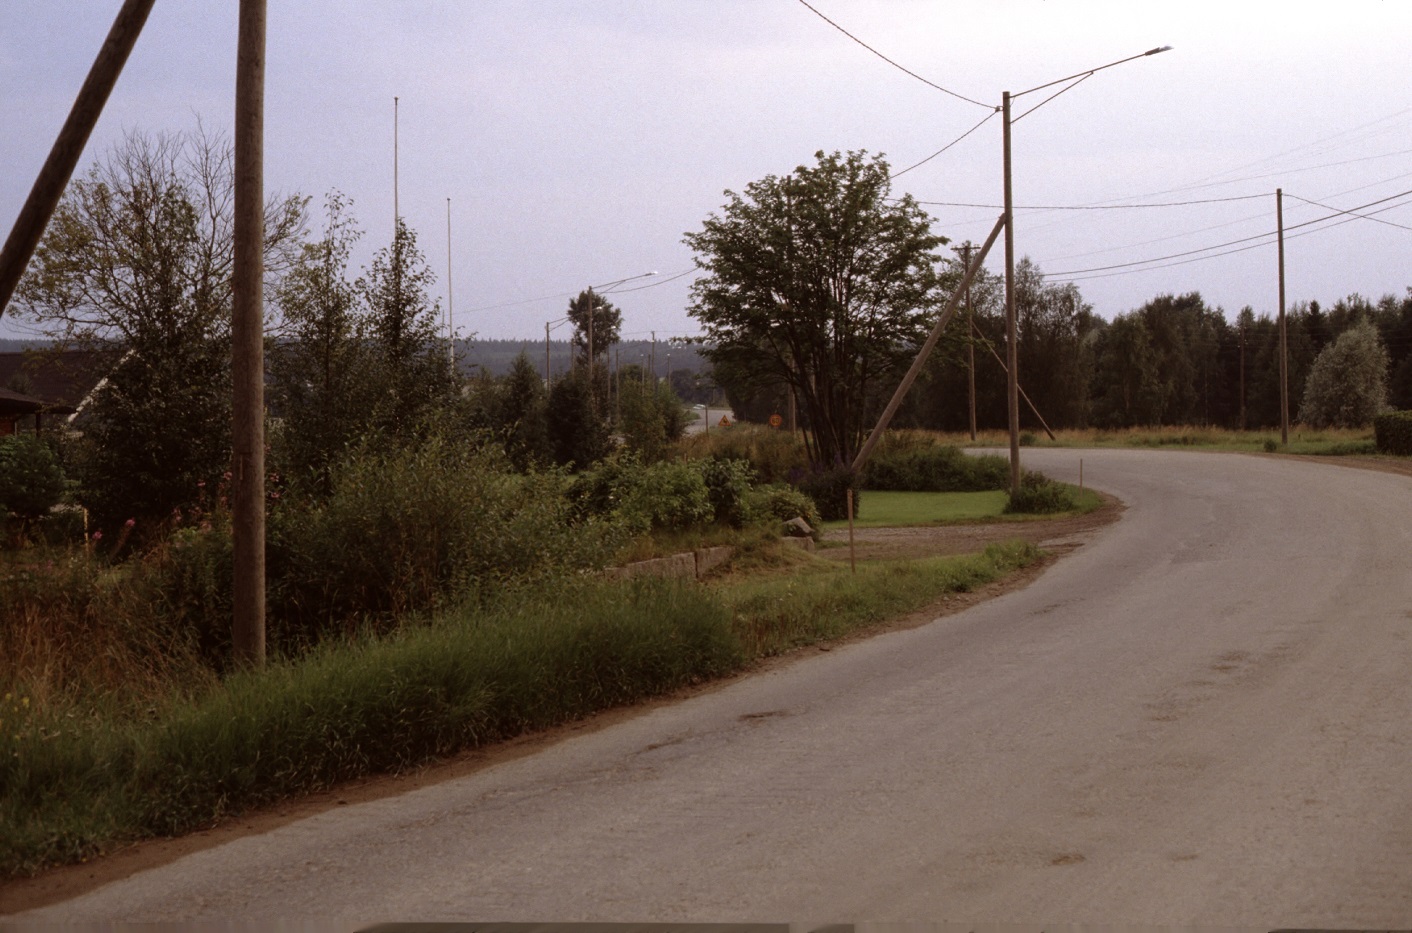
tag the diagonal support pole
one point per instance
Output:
(59, 167)
(886, 418)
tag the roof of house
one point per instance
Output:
(59, 380)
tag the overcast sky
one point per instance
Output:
(577, 140)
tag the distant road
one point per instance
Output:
(708, 419)
(1201, 717)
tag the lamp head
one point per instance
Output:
(1165, 48)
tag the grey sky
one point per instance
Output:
(579, 139)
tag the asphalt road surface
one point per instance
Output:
(1202, 717)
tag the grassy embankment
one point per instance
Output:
(81, 775)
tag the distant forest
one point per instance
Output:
(495, 356)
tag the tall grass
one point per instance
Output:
(72, 783)
(776, 614)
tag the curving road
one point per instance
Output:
(1204, 716)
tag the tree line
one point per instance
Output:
(819, 286)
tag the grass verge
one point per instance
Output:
(77, 782)
(883, 509)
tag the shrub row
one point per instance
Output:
(1392, 431)
(935, 469)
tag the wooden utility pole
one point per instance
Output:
(965, 250)
(1242, 375)
(1012, 353)
(247, 337)
(450, 326)
(68, 147)
(1284, 343)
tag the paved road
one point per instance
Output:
(1202, 717)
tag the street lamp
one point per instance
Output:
(1012, 381)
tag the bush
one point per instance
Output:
(935, 469)
(667, 495)
(1040, 495)
(774, 454)
(782, 502)
(31, 480)
(728, 484)
(828, 488)
(415, 529)
(1392, 432)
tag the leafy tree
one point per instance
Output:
(137, 259)
(651, 418)
(411, 367)
(1347, 385)
(1054, 346)
(520, 415)
(820, 280)
(319, 379)
(577, 434)
(607, 323)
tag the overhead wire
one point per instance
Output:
(987, 119)
(1190, 256)
(894, 64)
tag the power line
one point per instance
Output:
(1097, 207)
(1075, 274)
(1351, 213)
(893, 63)
(1229, 223)
(943, 148)
(570, 295)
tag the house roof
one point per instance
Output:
(59, 380)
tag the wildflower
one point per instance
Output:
(97, 536)
(129, 523)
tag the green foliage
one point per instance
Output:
(420, 527)
(589, 307)
(828, 488)
(935, 469)
(70, 787)
(319, 370)
(651, 419)
(777, 614)
(1393, 433)
(519, 415)
(411, 370)
(782, 502)
(823, 281)
(31, 479)
(1347, 386)
(728, 485)
(666, 495)
(1040, 495)
(775, 455)
(578, 434)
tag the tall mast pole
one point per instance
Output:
(1012, 383)
(1284, 343)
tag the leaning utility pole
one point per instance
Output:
(59, 166)
(247, 339)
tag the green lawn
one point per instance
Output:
(889, 509)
